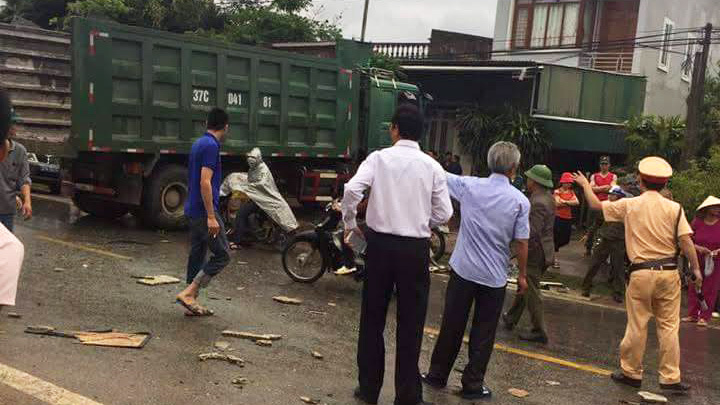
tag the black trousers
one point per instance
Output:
(459, 298)
(400, 263)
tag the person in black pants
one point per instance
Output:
(409, 196)
(494, 215)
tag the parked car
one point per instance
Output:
(45, 169)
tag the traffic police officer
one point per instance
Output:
(653, 227)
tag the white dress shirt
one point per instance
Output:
(11, 258)
(409, 192)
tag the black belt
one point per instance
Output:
(661, 264)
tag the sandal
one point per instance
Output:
(702, 323)
(689, 319)
(195, 308)
(234, 246)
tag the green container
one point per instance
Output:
(139, 90)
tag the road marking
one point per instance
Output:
(82, 247)
(40, 389)
(536, 356)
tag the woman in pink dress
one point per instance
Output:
(707, 243)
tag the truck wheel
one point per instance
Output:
(99, 208)
(164, 198)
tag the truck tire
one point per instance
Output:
(99, 208)
(164, 198)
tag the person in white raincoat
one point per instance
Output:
(259, 185)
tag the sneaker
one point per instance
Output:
(689, 319)
(677, 388)
(433, 382)
(556, 265)
(716, 315)
(342, 271)
(621, 378)
(484, 392)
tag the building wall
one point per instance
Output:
(667, 91)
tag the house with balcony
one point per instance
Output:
(656, 39)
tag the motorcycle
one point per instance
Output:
(271, 220)
(310, 254)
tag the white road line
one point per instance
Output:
(40, 389)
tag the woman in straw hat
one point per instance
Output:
(565, 200)
(706, 226)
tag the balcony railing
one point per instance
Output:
(609, 61)
(403, 50)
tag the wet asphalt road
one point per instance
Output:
(96, 291)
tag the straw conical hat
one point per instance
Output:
(709, 202)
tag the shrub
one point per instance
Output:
(690, 187)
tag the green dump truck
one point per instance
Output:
(122, 106)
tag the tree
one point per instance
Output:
(40, 12)
(657, 136)
(479, 129)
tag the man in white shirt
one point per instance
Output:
(11, 250)
(409, 196)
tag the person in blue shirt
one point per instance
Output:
(201, 208)
(494, 216)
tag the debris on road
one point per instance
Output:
(263, 343)
(552, 383)
(14, 315)
(317, 313)
(228, 298)
(107, 338)
(242, 263)
(332, 304)
(310, 401)
(626, 402)
(222, 357)
(221, 345)
(58, 269)
(518, 393)
(85, 266)
(251, 336)
(240, 288)
(156, 280)
(113, 339)
(240, 381)
(649, 397)
(287, 300)
(318, 355)
(164, 241)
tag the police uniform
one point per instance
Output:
(653, 225)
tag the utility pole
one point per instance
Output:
(364, 23)
(695, 100)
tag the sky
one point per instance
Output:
(409, 20)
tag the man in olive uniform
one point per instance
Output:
(541, 253)
(612, 245)
(653, 227)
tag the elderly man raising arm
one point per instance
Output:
(494, 215)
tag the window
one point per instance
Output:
(689, 58)
(546, 23)
(664, 62)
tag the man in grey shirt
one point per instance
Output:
(14, 180)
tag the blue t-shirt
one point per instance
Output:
(205, 152)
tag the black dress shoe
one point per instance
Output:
(677, 388)
(537, 337)
(359, 395)
(586, 294)
(506, 322)
(484, 392)
(433, 382)
(618, 298)
(620, 377)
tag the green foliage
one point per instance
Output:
(657, 136)
(710, 126)
(480, 129)
(382, 61)
(690, 187)
(242, 21)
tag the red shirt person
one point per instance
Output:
(601, 183)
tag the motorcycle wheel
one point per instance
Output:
(437, 245)
(302, 259)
